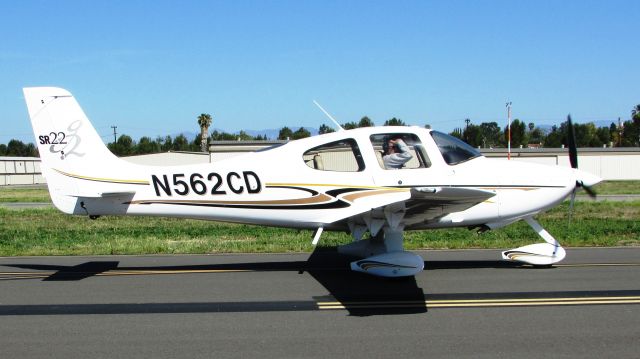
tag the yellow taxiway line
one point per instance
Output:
(480, 303)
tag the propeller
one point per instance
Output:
(573, 159)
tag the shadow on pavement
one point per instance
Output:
(360, 294)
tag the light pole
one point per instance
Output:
(509, 130)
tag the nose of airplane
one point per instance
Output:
(586, 179)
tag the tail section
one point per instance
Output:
(64, 135)
(69, 147)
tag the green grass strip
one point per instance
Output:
(49, 232)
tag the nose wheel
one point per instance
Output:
(539, 254)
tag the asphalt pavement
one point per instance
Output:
(465, 304)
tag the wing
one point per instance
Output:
(417, 204)
(363, 200)
(427, 204)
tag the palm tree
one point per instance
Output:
(204, 121)
(635, 112)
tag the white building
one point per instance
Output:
(621, 163)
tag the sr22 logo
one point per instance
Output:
(214, 184)
(65, 143)
(53, 138)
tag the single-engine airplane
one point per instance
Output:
(336, 181)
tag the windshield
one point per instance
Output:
(453, 150)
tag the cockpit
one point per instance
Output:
(413, 150)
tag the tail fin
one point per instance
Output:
(68, 144)
(63, 132)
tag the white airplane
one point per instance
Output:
(336, 181)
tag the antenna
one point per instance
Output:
(328, 115)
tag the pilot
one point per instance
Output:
(396, 153)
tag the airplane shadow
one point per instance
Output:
(362, 294)
(358, 293)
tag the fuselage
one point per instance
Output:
(322, 179)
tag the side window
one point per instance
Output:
(338, 156)
(399, 151)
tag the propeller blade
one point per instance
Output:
(571, 202)
(571, 139)
(573, 158)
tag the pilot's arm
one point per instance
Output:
(399, 158)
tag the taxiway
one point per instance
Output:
(465, 304)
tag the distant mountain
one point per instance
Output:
(598, 124)
(545, 128)
(270, 133)
(604, 123)
(188, 134)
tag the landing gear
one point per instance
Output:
(383, 253)
(539, 254)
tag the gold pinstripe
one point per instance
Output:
(98, 179)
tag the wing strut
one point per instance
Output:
(316, 236)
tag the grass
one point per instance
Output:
(618, 187)
(24, 194)
(49, 232)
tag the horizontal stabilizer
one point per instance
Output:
(117, 194)
(128, 194)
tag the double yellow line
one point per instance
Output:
(479, 303)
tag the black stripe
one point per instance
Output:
(330, 205)
(308, 190)
(339, 191)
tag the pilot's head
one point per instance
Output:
(389, 145)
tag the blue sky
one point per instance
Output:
(151, 67)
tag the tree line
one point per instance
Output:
(489, 134)
(483, 135)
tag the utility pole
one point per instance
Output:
(466, 130)
(114, 134)
(620, 132)
(509, 130)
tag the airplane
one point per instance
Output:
(330, 182)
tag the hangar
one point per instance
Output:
(617, 163)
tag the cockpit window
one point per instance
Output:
(453, 150)
(339, 156)
(399, 151)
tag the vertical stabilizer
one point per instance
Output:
(67, 143)
(64, 135)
